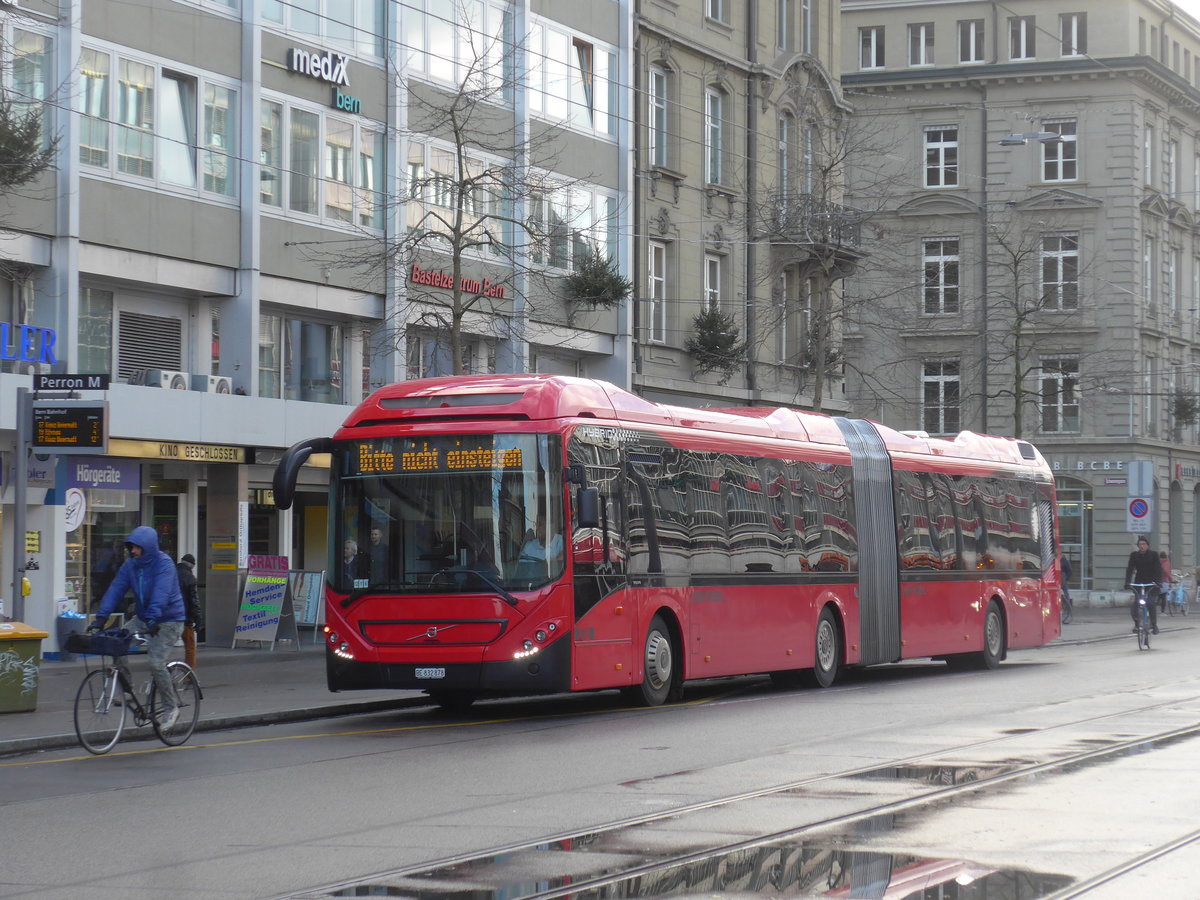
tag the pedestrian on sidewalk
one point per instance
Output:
(191, 606)
(1068, 607)
(150, 575)
(1165, 562)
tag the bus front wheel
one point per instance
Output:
(658, 663)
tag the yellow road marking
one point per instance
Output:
(353, 733)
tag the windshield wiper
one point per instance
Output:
(482, 576)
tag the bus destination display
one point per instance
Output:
(392, 457)
(66, 426)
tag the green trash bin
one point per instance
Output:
(20, 656)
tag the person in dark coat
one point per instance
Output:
(158, 609)
(191, 606)
(1144, 568)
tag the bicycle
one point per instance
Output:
(1142, 620)
(105, 694)
(1177, 598)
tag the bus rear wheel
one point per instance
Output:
(658, 663)
(827, 661)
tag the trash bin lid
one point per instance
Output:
(20, 630)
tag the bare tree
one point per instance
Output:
(813, 236)
(489, 223)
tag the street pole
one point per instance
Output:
(20, 477)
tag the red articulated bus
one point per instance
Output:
(532, 534)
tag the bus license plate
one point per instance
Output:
(431, 672)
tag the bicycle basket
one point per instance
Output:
(106, 643)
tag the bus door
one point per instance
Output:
(605, 620)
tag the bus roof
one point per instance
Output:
(554, 397)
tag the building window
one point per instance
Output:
(1149, 265)
(95, 335)
(656, 292)
(1021, 37)
(792, 315)
(170, 128)
(806, 26)
(713, 107)
(1059, 398)
(785, 24)
(1060, 159)
(358, 26)
(712, 283)
(870, 47)
(970, 41)
(1172, 285)
(1060, 271)
(320, 165)
(1173, 168)
(1072, 32)
(299, 359)
(940, 262)
(715, 9)
(941, 393)
(567, 223)
(786, 148)
(572, 80)
(1148, 150)
(941, 156)
(920, 44)
(809, 151)
(657, 100)
(27, 68)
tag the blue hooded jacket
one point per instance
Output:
(151, 577)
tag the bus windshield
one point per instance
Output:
(448, 513)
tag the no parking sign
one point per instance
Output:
(1138, 515)
(1139, 501)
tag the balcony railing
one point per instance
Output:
(808, 220)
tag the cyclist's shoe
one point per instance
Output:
(123, 700)
(1135, 629)
(168, 718)
(1154, 629)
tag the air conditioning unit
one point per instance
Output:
(213, 384)
(167, 378)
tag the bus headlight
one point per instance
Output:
(540, 635)
(527, 649)
(343, 650)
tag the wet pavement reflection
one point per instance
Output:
(820, 866)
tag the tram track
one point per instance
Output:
(995, 770)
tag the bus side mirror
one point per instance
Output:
(587, 507)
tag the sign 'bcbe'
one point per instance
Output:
(327, 66)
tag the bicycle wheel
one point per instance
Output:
(98, 721)
(187, 690)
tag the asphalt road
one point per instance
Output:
(282, 810)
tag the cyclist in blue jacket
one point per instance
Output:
(159, 612)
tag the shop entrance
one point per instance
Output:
(1075, 530)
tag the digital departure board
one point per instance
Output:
(70, 426)
(398, 456)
